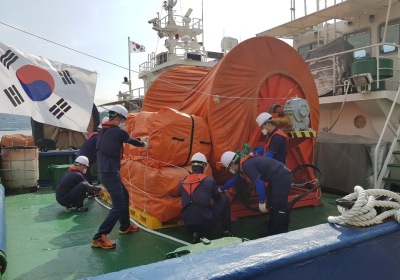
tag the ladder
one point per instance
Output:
(394, 152)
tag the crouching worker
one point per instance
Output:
(72, 188)
(196, 191)
(257, 170)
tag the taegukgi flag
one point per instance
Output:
(135, 47)
(50, 92)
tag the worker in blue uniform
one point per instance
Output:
(275, 145)
(196, 191)
(257, 170)
(88, 150)
(110, 151)
(72, 187)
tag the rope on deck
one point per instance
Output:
(363, 212)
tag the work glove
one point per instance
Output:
(262, 207)
(250, 154)
(102, 188)
(146, 145)
(144, 139)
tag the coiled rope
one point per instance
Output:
(363, 212)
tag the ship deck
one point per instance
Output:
(44, 241)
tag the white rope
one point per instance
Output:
(363, 212)
(146, 229)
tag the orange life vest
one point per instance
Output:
(268, 142)
(92, 134)
(190, 183)
(242, 160)
(73, 168)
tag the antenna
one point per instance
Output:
(189, 12)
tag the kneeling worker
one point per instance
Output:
(196, 190)
(72, 188)
(257, 170)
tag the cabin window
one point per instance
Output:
(392, 36)
(359, 40)
(303, 49)
(360, 121)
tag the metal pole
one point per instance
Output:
(305, 7)
(317, 5)
(386, 23)
(383, 41)
(129, 55)
(202, 26)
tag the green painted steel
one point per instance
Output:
(44, 241)
(369, 66)
(58, 171)
(46, 159)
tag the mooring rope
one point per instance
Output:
(363, 212)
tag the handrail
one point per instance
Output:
(380, 139)
(332, 57)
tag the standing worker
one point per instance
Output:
(110, 151)
(72, 187)
(257, 170)
(275, 146)
(88, 150)
(196, 191)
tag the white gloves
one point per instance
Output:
(251, 154)
(146, 145)
(262, 207)
(144, 139)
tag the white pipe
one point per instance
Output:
(383, 41)
(149, 230)
(380, 139)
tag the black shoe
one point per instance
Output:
(196, 237)
(79, 209)
(227, 233)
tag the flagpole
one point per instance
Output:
(129, 55)
(202, 25)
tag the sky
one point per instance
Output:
(101, 28)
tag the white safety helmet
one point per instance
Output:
(82, 160)
(105, 119)
(199, 157)
(119, 109)
(227, 158)
(262, 118)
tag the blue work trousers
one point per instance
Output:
(220, 209)
(75, 196)
(278, 193)
(120, 201)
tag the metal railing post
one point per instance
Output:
(380, 140)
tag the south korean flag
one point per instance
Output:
(50, 92)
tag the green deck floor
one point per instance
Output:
(44, 241)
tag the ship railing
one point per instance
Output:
(385, 171)
(195, 23)
(137, 93)
(154, 60)
(315, 5)
(376, 49)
